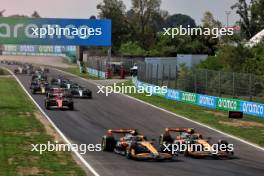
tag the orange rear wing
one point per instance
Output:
(186, 130)
(121, 131)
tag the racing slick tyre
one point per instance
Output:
(128, 153)
(71, 106)
(33, 91)
(186, 153)
(221, 142)
(108, 143)
(165, 138)
(47, 105)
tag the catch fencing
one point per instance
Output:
(201, 81)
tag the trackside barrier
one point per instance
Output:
(96, 73)
(226, 104)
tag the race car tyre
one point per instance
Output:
(128, 154)
(186, 153)
(108, 143)
(71, 106)
(222, 142)
(165, 138)
(33, 91)
(47, 106)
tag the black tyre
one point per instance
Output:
(186, 153)
(47, 105)
(33, 91)
(71, 106)
(128, 153)
(165, 138)
(222, 143)
(108, 143)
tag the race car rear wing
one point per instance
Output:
(186, 130)
(121, 131)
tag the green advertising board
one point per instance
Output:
(189, 97)
(227, 104)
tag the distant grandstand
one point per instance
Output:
(40, 50)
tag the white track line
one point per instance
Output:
(56, 128)
(175, 114)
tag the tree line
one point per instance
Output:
(138, 32)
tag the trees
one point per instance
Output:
(132, 49)
(35, 14)
(251, 15)
(2, 12)
(208, 21)
(179, 19)
(145, 15)
(115, 10)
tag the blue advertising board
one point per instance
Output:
(173, 95)
(53, 31)
(207, 101)
(252, 108)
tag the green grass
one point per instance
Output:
(3, 72)
(213, 118)
(19, 128)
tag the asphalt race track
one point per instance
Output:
(92, 117)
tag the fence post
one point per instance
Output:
(206, 81)
(250, 87)
(145, 72)
(169, 76)
(176, 77)
(195, 82)
(233, 85)
(98, 68)
(219, 84)
(151, 72)
(162, 73)
(157, 76)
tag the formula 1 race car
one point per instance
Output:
(42, 69)
(58, 101)
(202, 147)
(20, 70)
(61, 82)
(57, 90)
(39, 77)
(132, 145)
(80, 92)
(39, 87)
(24, 69)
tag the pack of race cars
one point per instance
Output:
(129, 143)
(59, 91)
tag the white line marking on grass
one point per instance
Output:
(175, 114)
(56, 128)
